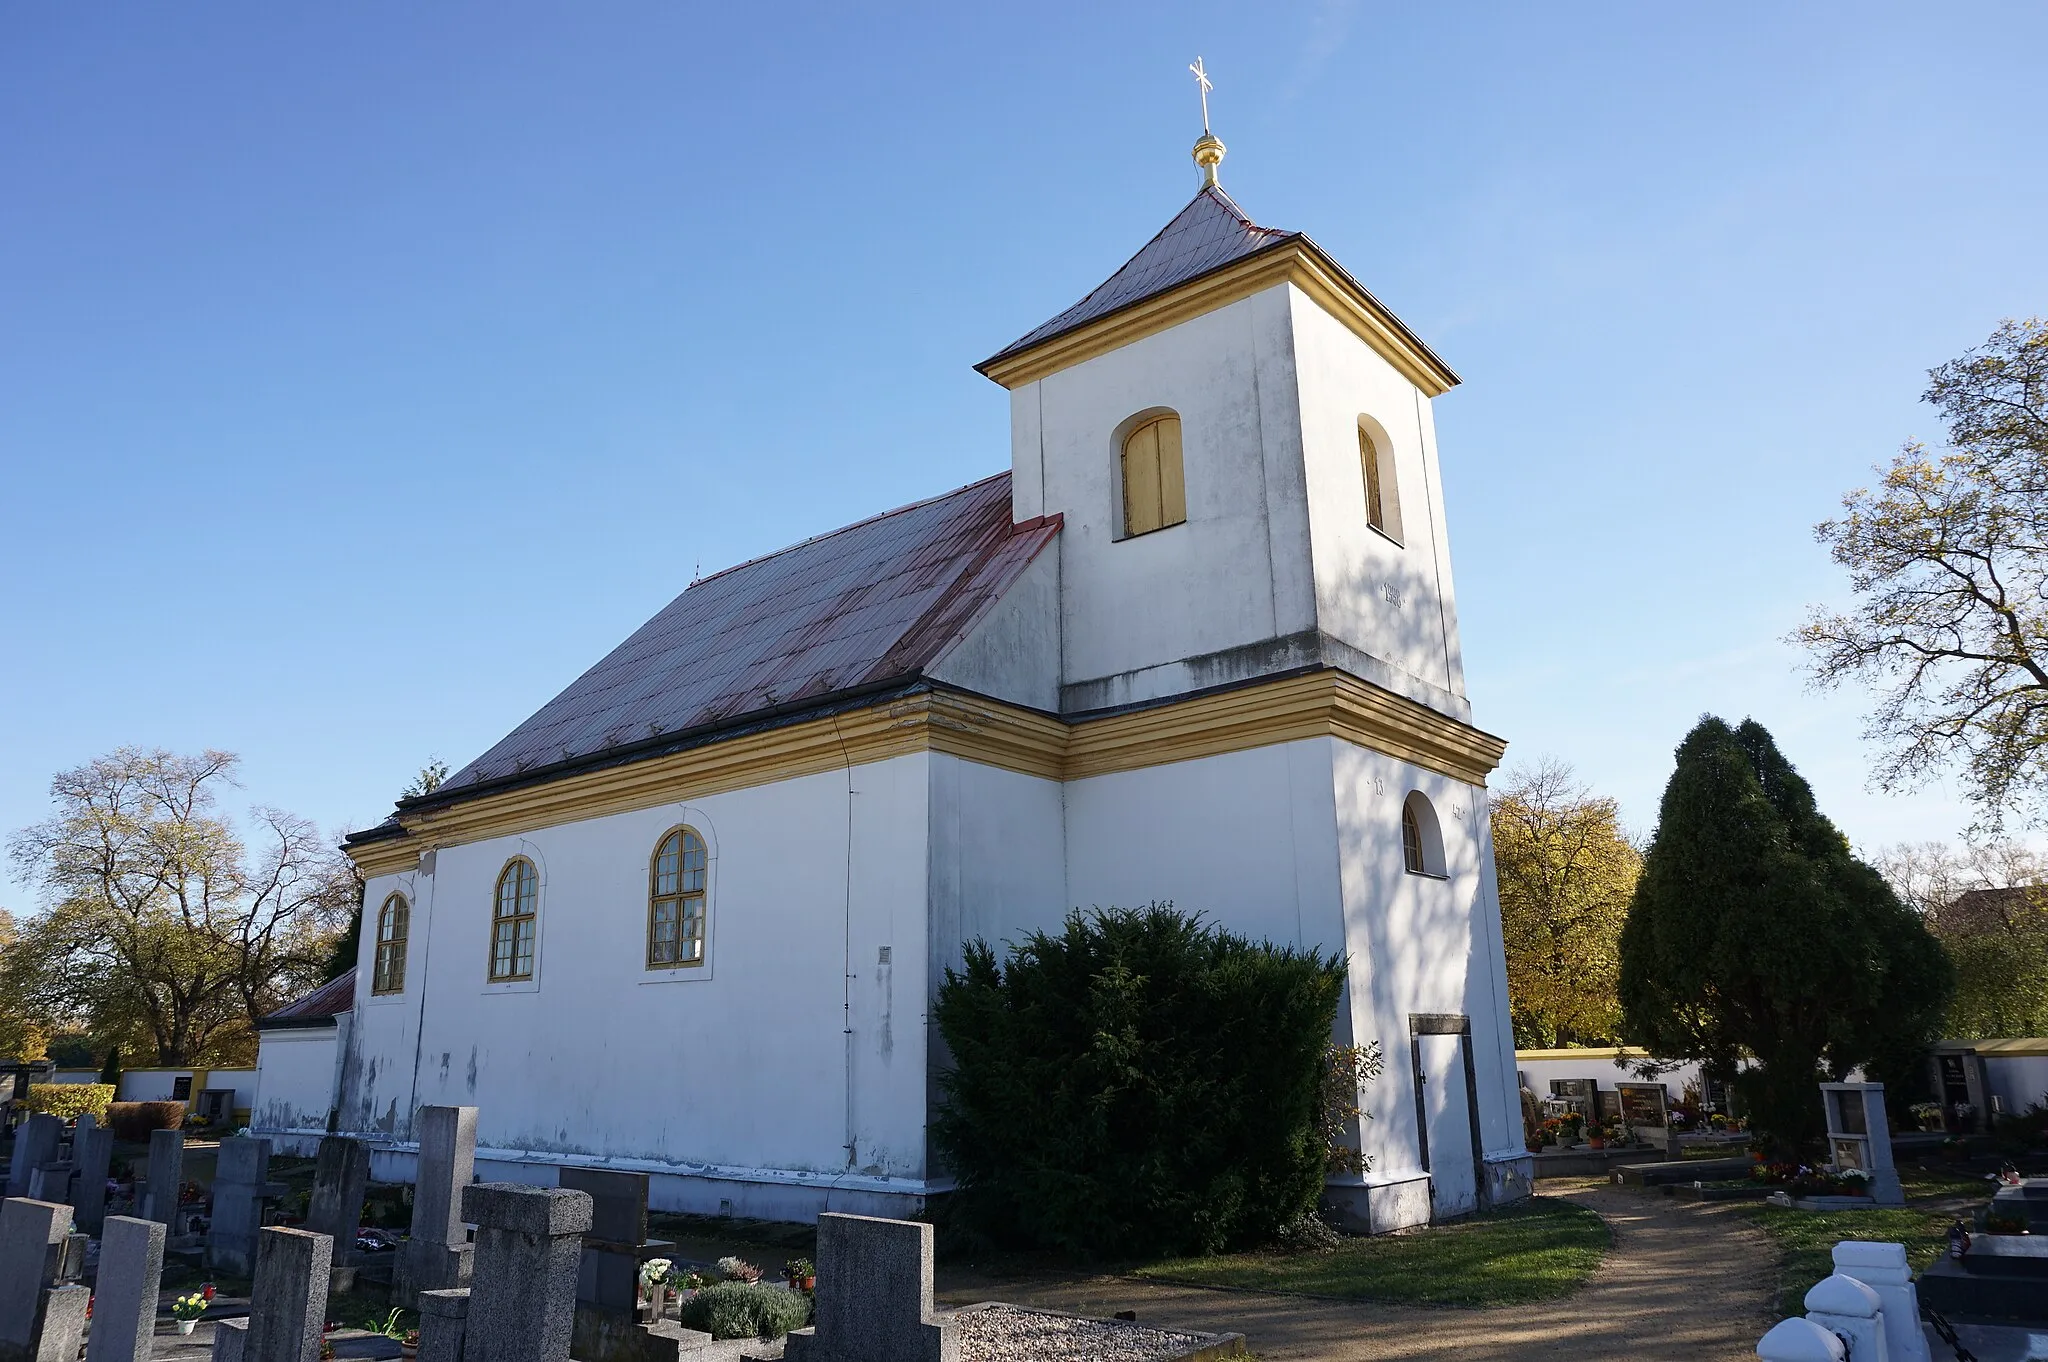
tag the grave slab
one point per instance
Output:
(93, 1149)
(529, 1243)
(437, 1256)
(166, 1176)
(874, 1297)
(36, 1142)
(125, 1296)
(341, 1181)
(32, 1242)
(288, 1300)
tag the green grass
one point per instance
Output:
(1807, 1241)
(1534, 1250)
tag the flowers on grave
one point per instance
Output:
(1926, 1114)
(189, 1307)
(1801, 1179)
(738, 1270)
(654, 1275)
(2008, 1175)
(801, 1273)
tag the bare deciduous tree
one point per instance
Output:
(1948, 559)
(159, 922)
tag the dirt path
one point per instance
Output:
(1684, 1280)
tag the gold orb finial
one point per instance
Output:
(1209, 151)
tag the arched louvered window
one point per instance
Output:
(676, 902)
(1155, 494)
(1422, 840)
(1382, 489)
(515, 921)
(394, 924)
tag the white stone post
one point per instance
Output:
(1800, 1340)
(1850, 1310)
(1882, 1268)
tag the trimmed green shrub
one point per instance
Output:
(68, 1100)
(746, 1310)
(134, 1120)
(1140, 1084)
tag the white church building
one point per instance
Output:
(1197, 643)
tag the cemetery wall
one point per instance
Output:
(295, 1085)
(157, 1085)
(1540, 1066)
(738, 1070)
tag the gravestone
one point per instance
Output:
(36, 1143)
(93, 1149)
(1576, 1093)
(166, 1177)
(40, 1320)
(443, 1317)
(529, 1243)
(288, 1301)
(608, 1277)
(241, 1184)
(230, 1340)
(608, 1327)
(341, 1180)
(125, 1296)
(874, 1298)
(1646, 1108)
(438, 1255)
(51, 1182)
(1859, 1137)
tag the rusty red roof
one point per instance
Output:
(318, 1008)
(854, 610)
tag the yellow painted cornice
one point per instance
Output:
(1297, 261)
(1317, 704)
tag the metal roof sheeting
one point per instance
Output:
(318, 1008)
(1211, 232)
(874, 602)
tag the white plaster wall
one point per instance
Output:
(2018, 1081)
(1237, 572)
(294, 1084)
(740, 1065)
(1245, 838)
(1422, 945)
(998, 868)
(155, 1085)
(1391, 600)
(1013, 652)
(1300, 843)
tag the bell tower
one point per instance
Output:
(1239, 437)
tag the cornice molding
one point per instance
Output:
(1321, 703)
(1297, 261)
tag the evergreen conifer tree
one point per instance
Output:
(110, 1072)
(1756, 935)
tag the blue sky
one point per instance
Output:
(368, 371)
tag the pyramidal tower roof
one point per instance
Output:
(1210, 233)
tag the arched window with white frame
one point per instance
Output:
(515, 921)
(678, 906)
(394, 927)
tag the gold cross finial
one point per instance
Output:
(1209, 147)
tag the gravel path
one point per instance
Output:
(999, 1335)
(1684, 1279)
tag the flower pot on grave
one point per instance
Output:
(810, 1284)
(408, 1350)
(186, 1326)
(1597, 1142)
